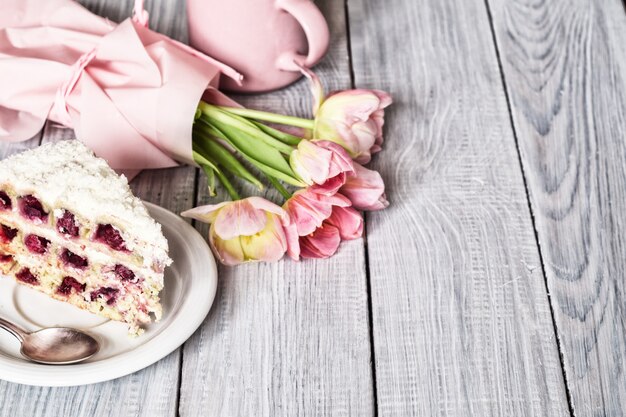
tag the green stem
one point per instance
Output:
(281, 136)
(266, 169)
(282, 190)
(214, 115)
(208, 128)
(201, 160)
(234, 195)
(270, 117)
(208, 146)
(210, 175)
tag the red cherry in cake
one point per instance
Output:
(32, 209)
(70, 284)
(5, 201)
(5, 258)
(67, 224)
(26, 276)
(110, 236)
(7, 234)
(70, 258)
(123, 273)
(108, 293)
(36, 244)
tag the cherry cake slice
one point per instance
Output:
(70, 227)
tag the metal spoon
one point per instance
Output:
(54, 345)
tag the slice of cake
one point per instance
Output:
(70, 227)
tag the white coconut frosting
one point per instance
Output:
(67, 175)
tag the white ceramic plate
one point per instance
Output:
(190, 285)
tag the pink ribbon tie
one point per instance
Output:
(59, 108)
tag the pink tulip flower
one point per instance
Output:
(309, 209)
(352, 118)
(323, 243)
(252, 229)
(321, 162)
(348, 221)
(320, 221)
(365, 189)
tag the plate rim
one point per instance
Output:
(194, 309)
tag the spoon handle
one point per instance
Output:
(19, 333)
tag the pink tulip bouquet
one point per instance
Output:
(132, 96)
(324, 167)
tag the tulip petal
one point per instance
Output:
(348, 221)
(350, 106)
(205, 214)
(316, 87)
(293, 240)
(311, 163)
(384, 97)
(331, 186)
(260, 203)
(229, 252)
(340, 160)
(308, 209)
(322, 243)
(308, 216)
(365, 188)
(239, 218)
(269, 245)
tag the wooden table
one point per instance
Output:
(493, 284)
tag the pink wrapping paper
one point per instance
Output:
(129, 93)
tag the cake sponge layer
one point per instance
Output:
(104, 298)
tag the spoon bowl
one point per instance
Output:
(59, 346)
(53, 345)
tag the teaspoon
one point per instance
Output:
(53, 345)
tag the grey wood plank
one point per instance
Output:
(461, 319)
(564, 64)
(154, 390)
(9, 148)
(286, 339)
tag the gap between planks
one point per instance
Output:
(530, 207)
(370, 315)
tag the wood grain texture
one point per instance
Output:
(564, 65)
(461, 319)
(287, 339)
(153, 391)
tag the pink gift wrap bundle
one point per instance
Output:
(129, 93)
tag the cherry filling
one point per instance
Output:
(36, 244)
(5, 201)
(70, 258)
(32, 209)
(108, 293)
(5, 258)
(26, 276)
(109, 235)
(7, 234)
(70, 284)
(67, 224)
(124, 273)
